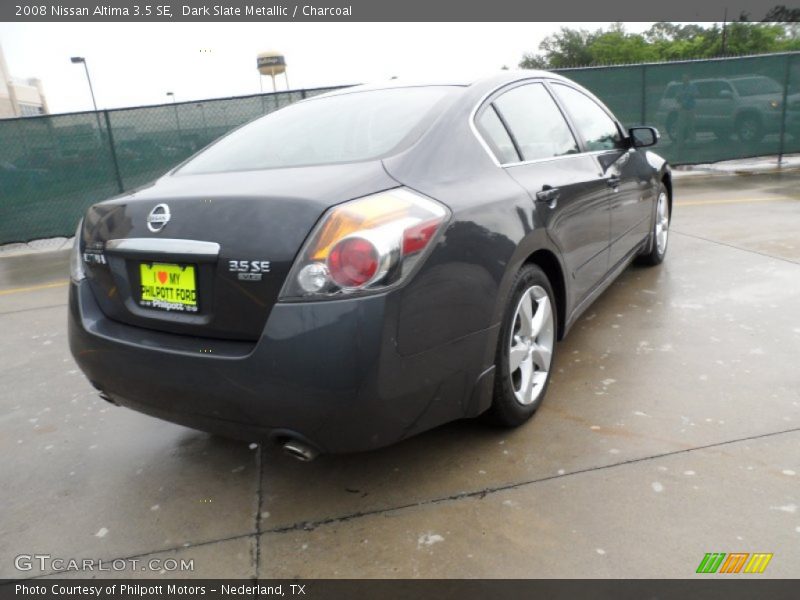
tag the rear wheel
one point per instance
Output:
(660, 232)
(749, 129)
(525, 348)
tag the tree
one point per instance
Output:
(790, 17)
(781, 14)
(663, 41)
(616, 46)
(567, 48)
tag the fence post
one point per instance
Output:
(782, 147)
(22, 135)
(113, 152)
(644, 95)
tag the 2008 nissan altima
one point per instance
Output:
(359, 267)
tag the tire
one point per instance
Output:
(660, 232)
(519, 391)
(749, 129)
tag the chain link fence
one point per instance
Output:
(53, 167)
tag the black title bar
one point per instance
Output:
(384, 10)
(731, 588)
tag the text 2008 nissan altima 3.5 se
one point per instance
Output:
(362, 266)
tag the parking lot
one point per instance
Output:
(671, 429)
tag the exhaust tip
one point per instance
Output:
(107, 398)
(299, 450)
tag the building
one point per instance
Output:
(19, 97)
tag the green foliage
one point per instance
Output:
(663, 41)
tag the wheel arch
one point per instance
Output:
(666, 179)
(748, 112)
(548, 262)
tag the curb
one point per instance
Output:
(41, 246)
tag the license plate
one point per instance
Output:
(168, 287)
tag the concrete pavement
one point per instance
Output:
(671, 429)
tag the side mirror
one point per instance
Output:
(725, 94)
(642, 137)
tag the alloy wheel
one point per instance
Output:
(662, 222)
(531, 344)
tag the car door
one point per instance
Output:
(624, 170)
(567, 192)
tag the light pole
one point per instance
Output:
(79, 59)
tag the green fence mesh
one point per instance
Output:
(53, 167)
(707, 110)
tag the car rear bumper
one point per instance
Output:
(327, 373)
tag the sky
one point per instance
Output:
(132, 64)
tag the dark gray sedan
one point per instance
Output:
(359, 267)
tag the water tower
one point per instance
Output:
(272, 63)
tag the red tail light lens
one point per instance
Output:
(416, 238)
(352, 262)
(366, 245)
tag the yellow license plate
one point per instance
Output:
(168, 287)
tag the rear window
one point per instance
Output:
(670, 91)
(497, 135)
(755, 86)
(711, 89)
(535, 122)
(350, 127)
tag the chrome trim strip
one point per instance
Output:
(486, 147)
(163, 246)
(483, 99)
(474, 113)
(550, 158)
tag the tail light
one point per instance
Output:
(365, 245)
(76, 271)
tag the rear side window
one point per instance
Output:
(496, 134)
(711, 89)
(350, 127)
(599, 131)
(536, 122)
(754, 86)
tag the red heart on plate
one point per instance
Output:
(162, 277)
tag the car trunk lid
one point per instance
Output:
(231, 238)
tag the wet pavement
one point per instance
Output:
(671, 429)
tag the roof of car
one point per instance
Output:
(500, 78)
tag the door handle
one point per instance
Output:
(614, 181)
(548, 194)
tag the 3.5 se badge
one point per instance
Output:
(249, 270)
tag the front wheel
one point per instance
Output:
(660, 233)
(525, 348)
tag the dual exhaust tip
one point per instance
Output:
(294, 448)
(300, 450)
